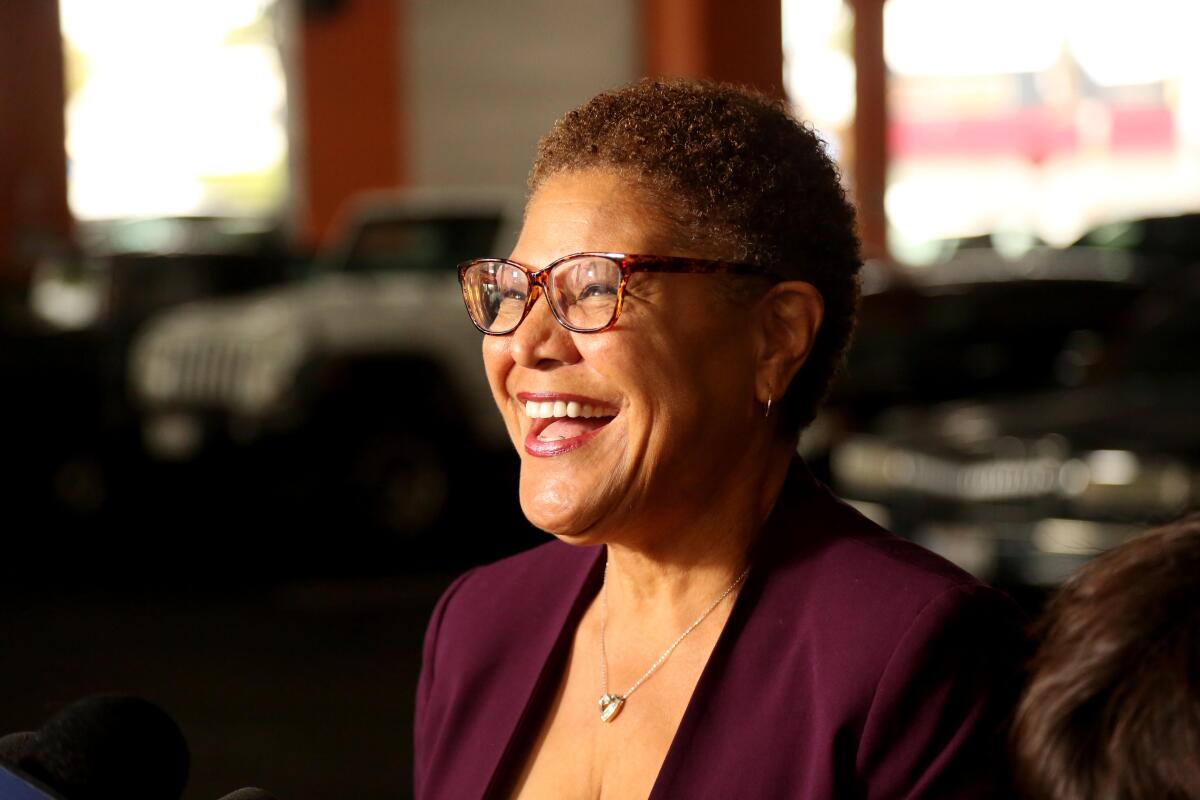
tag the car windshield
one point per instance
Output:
(429, 244)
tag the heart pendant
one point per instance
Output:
(610, 706)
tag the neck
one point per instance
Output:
(690, 556)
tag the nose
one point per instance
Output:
(540, 342)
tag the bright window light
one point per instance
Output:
(818, 68)
(174, 108)
(1040, 117)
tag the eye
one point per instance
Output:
(596, 290)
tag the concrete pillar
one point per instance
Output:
(739, 42)
(33, 164)
(870, 126)
(348, 133)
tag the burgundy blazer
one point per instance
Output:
(854, 664)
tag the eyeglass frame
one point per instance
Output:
(628, 263)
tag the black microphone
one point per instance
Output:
(15, 746)
(14, 784)
(101, 747)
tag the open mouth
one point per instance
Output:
(561, 423)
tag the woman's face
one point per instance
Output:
(670, 386)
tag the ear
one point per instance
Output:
(790, 315)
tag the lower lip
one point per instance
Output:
(536, 447)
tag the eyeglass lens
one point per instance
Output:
(582, 292)
(496, 294)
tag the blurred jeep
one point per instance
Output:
(356, 395)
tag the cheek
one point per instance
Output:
(497, 365)
(656, 376)
(496, 361)
(709, 374)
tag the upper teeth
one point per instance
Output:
(558, 408)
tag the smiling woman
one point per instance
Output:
(710, 622)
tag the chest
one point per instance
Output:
(576, 754)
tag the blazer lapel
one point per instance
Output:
(692, 722)
(776, 532)
(539, 636)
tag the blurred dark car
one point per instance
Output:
(67, 418)
(979, 324)
(1023, 483)
(1171, 241)
(353, 400)
(119, 272)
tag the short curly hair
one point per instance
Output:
(738, 175)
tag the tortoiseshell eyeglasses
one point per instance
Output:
(585, 291)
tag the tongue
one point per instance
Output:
(567, 428)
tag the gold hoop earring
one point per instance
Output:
(767, 413)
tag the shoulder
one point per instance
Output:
(508, 587)
(838, 560)
(520, 598)
(914, 656)
(867, 607)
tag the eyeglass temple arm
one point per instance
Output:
(693, 266)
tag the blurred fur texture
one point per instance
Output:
(1112, 709)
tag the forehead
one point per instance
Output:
(594, 209)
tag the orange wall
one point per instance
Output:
(351, 133)
(33, 174)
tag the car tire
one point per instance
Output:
(403, 484)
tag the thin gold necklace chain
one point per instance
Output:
(666, 653)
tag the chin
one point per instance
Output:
(560, 509)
